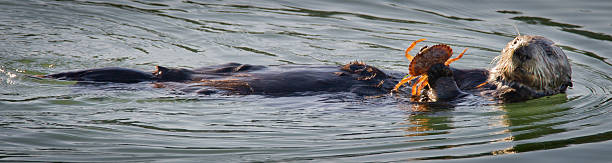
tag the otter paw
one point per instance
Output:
(438, 71)
(509, 94)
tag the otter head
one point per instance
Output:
(172, 74)
(533, 65)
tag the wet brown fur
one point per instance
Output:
(235, 86)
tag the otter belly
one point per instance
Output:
(288, 80)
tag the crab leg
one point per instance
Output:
(403, 81)
(416, 91)
(449, 61)
(422, 86)
(482, 84)
(408, 56)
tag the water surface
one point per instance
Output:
(47, 120)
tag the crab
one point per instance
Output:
(422, 61)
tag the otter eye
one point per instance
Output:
(515, 41)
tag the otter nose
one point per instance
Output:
(522, 54)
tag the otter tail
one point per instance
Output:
(108, 74)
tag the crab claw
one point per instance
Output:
(408, 56)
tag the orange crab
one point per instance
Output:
(420, 63)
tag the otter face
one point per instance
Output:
(535, 62)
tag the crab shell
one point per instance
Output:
(428, 57)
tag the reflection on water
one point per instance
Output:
(47, 120)
(517, 124)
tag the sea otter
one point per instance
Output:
(244, 79)
(528, 67)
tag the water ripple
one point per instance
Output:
(46, 120)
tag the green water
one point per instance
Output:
(47, 120)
